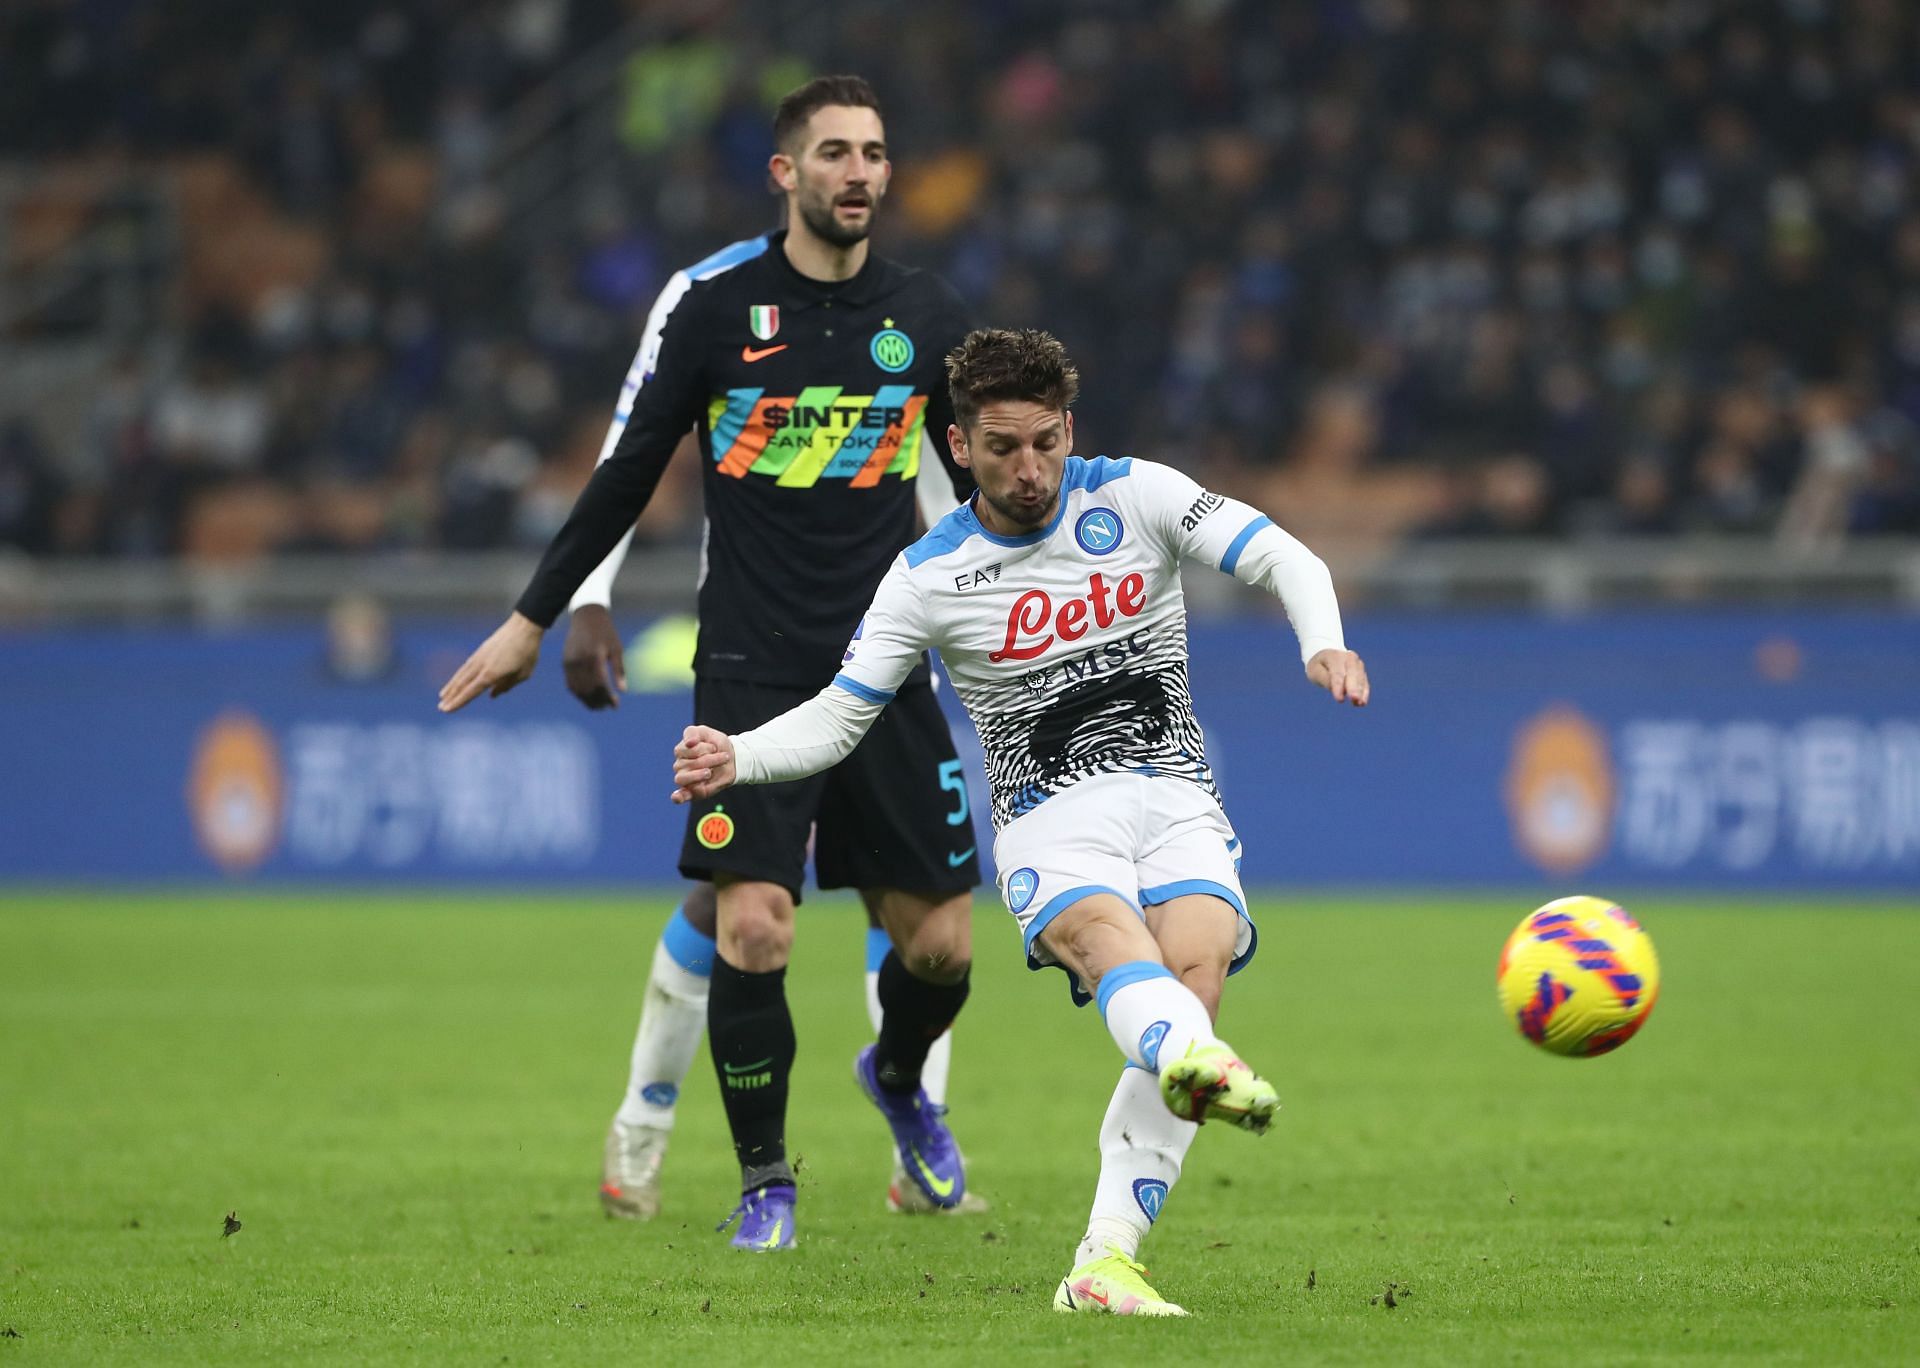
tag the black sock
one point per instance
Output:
(913, 1013)
(750, 1033)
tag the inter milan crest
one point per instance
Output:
(764, 319)
(715, 830)
(892, 349)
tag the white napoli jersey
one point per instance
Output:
(1068, 645)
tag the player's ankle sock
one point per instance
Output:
(671, 1020)
(939, 1065)
(750, 1032)
(1151, 1014)
(913, 1014)
(1141, 1147)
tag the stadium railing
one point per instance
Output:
(1549, 576)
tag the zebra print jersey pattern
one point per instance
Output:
(1136, 718)
(1068, 645)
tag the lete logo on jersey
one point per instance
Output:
(1032, 625)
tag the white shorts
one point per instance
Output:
(1146, 839)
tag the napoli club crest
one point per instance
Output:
(1022, 884)
(1099, 531)
(1150, 1041)
(1151, 1194)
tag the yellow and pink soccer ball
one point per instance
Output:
(1578, 977)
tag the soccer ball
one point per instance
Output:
(1578, 977)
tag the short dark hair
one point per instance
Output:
(1009, 363)
(790, 119)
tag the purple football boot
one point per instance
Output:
(928, 1154)
(766, 1219)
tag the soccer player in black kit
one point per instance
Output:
(812, 370)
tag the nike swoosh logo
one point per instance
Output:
(761, 353)
(748, 1068)
(773, 1236)
(940, 1187)
(955, 861)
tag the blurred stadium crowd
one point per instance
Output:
(1390, 269)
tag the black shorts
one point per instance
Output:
(894, 814)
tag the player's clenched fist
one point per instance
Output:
(702, 764)
(504, 659)
(1342, 674)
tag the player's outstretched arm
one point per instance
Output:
(804, 740)
(821, 732)
(504, 659)
(702, 764)
(1342, 674)
(1243, 542)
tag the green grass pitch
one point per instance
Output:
(403, 1098)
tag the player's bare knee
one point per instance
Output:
(755, 927)
(756, 942)
(932, 934)
(938, 963)
(1098, 938)
(937, 952)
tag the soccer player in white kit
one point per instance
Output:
(1054, 599)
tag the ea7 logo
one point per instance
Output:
(973, 579)
(1200, 510)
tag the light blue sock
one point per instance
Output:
(691, 949)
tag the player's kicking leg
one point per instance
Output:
(1162, 1021)
(922, 982)
(673, 1017)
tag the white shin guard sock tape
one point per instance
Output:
(672, 1020)
(1142, 1145)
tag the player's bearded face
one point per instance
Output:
(1017, 451)
(841, 174)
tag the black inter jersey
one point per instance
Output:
(811, 399)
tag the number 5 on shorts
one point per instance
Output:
(952, 778)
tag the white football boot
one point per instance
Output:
(630, 1171)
